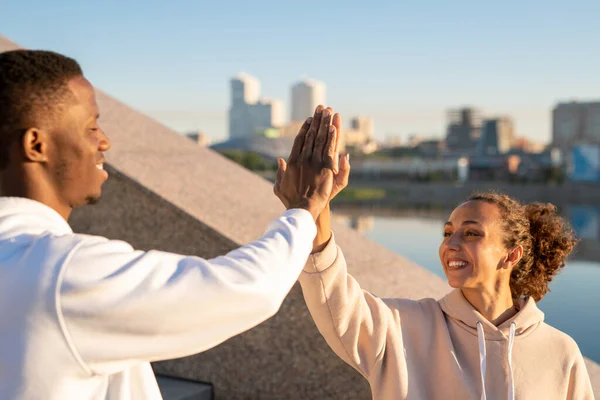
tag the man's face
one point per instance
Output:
(77, 144)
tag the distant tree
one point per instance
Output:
(249, 160)
(234, 155)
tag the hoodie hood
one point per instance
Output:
(20, 216)
(527, 319)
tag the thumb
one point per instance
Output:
(282, 164)
(281, 167)
(341, 178)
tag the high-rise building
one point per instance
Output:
(359, 137)
(266, 114)
(575, 123)
(248, 114)
(463, 132)
(306, 96)
(363, 124)
(497, 137)
(360, 132)
(245, 89)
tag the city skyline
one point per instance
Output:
(306, 95)
(404, 65)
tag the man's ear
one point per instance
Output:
(34, 145)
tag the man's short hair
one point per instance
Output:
(33, 85)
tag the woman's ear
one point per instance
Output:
(514, 256)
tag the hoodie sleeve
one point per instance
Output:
(355, 323)
(118, 307)
(580, 386)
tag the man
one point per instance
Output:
(82, 316)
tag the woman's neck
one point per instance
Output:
(496, 306)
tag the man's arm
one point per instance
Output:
(119, 306)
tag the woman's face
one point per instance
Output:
(472, 252)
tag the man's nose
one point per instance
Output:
(104, 143)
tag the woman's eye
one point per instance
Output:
(447, 234)
(471, 233)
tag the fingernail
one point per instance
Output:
(308, 120)
(331, 129)
(348, 157)
(326, 113)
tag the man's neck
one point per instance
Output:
(37, 191)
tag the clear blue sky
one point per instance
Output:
(403, 63)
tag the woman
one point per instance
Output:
(485, 339)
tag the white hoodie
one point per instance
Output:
(82, 316)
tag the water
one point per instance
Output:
(573, 305)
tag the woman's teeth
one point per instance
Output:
(457, 264)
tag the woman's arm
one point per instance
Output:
(355, 323)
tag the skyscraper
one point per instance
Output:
(266, 113)
(248, 114)
(497, 137)
(463, 130)
(575, 123)
(360, 132)
(306, 96)
(245, 89)
(363, 124)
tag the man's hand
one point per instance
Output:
(340, 167)
(306, 180)
(340, 181)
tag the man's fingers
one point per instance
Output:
(329, 153)
(299, 141)
(309, 140)
(322, 135)
(337, 122)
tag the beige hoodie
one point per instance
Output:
(445, 349)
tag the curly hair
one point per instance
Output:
(547, 240)
(33, 84)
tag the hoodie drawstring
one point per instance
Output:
(481, 338)
(511, 342)
(482, 359)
